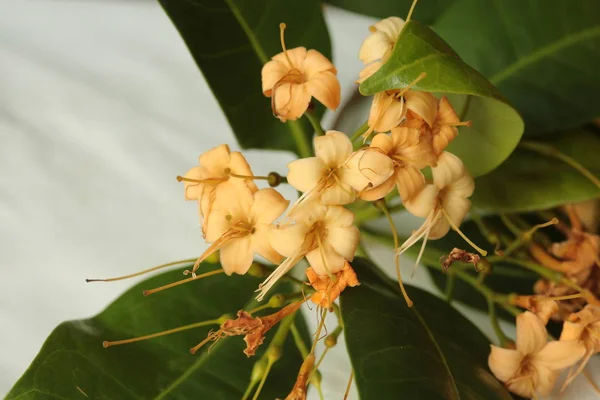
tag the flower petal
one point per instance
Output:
(391, 26)
(504, 362)
(315, 63)
(325, 87)
(236, 256)
(380, 191)
(375, 47)
(193, 190)
(333, 261)
(268, 205)
(343, 241)
(336, 216)
(287, 239)
(557, 355)
(216, 158)
(333, 149)
(531, 333)
(290, 100)
(305, 173)
(368, 71)
(367, 166)
(449, 169)
(239, 165)
(423, 202)
(337, 193)
(261, 244)
(297, 55)
(423, 104)
(386, 112)
(410, 181)
(546, 380)
(271, 73)
(383, 142)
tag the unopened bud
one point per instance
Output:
(274, 353)
(258, 271)
(274, 179)
(331, 341)
(277, 301)
(213, 258)
(224, 318)
(259, 369)
(483, 266)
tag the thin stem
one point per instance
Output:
(494, 321)
(189, 260)
(525, 237)
(383, 207)
(314, 121)
(299, 341)
(181, 282)
(450, 283)
(263, 379)
(465, 238)
(301, 139)
(349, 385)
(514, 229)
(412, 8)
(319, 328)
(358, 133)
(106, 344)
(550, 151)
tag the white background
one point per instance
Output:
(101, 106)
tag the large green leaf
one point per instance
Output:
(542, 54)
(496, 128)
(426, 11)
(231, 40)
(429, 351)
(533, 181)
(73, 359)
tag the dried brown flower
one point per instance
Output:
(459, 255)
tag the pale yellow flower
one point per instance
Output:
(335, 173)
(378, 46)
(408, 153)
(293, 76)
(532, 368)
(585, 326)
(239, 226)
(325, 235)
(217, 167)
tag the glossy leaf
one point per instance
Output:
(496, 128)
(73, 361)
(231, 40)
(429, 351)
(427, 12)
(541, 54)
(532, 181)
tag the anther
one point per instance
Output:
(282, 27)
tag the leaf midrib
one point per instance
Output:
(543, 52)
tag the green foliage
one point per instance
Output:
(429, 351)
(541, 54)
(531, 181)
(231, 40)
(427, 11)
(496, 128)
(73, 359)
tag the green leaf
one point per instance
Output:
(496, 128)
(429, 351)
(426, 12)
(231, 40)
(73, 358)
(533, 181)
(542, 55)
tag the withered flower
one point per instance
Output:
(328, 290)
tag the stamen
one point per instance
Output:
(332, 278)
(425, 237)
(568, 297)
(181, 282)
(531, 231)
(412, 8)
(590, 379)
(141, 272)
(385, 210)
(462, 123)
(413, 83)
(209, 338)
(280, 271)
(282, 27)
(457, 230)
(107, 344)
(209, 180)
(224, 238)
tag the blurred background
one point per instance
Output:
(101, 106)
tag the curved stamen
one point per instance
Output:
(457, 230)
(282, 27)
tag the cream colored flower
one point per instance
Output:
(391, 107)
(378, 46)
(541, 306)
(217, 167)
(293, 76)
(409, 154)
(584, 326)
(325, 235)
(579, 252)
(334, 174)
(533, 367)
(239, 227)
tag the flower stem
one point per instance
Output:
(314, 121)
(301, 139)
(358, 133)
(495, 325)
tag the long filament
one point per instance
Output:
(181, 282)
(141, 272)
(457, 230)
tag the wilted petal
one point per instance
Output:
(419, 155)
(290, 100)
(448, 170)
(404, 136)
(383, 142)
(531, 333)
(268, 205)
(236, 256)
(391, 26)
(504, 362)
(391, 113)
(304, 173)
(367, 166)
(325, 260)
(380, 191)
(423, 104)
(557, 355)
(261, 244)
(423, 202)
(325, 87)
(344, 241)
(333, 148)
(315, 63)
